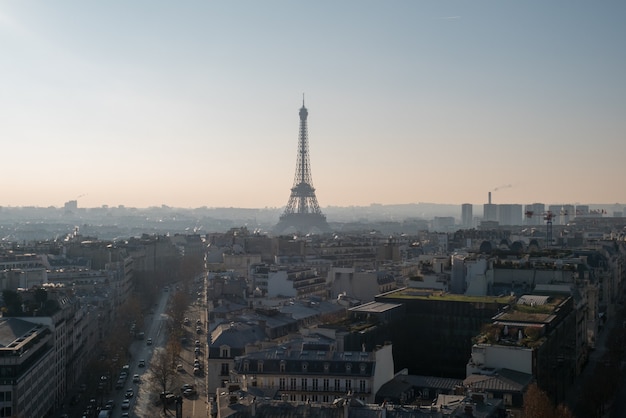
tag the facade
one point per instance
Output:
(535, 336)
(315, 372)
(510, 214)
(363, 285)
(22, 270)
(533, 214)
(467, 216)
(441, 328)
(28, 383)
(228, 341)
(291, 282)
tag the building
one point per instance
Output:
(314, 372)
(467, 216)
(436, 333)
(510, 214)
(535, 336)
(28, 383)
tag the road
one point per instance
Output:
(154, 326)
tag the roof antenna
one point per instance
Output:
(302, 99)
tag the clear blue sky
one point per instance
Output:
(195, 103)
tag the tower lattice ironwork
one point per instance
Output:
(302, 212)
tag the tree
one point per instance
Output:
(162, 374)
(13, 302)
(537, 404)
(177, 308)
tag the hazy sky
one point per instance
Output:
(195, 103)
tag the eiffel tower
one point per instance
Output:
(302, 214)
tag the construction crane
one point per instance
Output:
(548, 216)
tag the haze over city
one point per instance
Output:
(196, 103)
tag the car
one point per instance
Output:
(125, 415)
(197, 343)
(197, 371)
(179, 368)
(186, 321)
(189, 392)
(129, 393)
(198, 322)
(109, 405)
(186, 386)
(149, 341)
(198, 330)
(136, 378)
(142, 363)
(126, 404)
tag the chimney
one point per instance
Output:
(489, 200)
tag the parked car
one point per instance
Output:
(129, 393)
(136, 378)
(142, 363)
(126, 404)
(149, 341)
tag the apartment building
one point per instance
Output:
(315, 372)
(28, 385)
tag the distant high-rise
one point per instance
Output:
(510, 214)
(302, 214)
(467, 216)
(490, 211)
(534, 214)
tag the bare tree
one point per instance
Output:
(537, 404)
(177, 308)
(162, 375)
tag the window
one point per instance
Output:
(246, 365)
(326, 385)
(362, 386)
(282, 366)
(348, 384)
(225, 352)
(224, 370)
(292, 383)
(304, 384)
(259, 366)
(316, 384)
(348, 367)
(337, 384)
(362, 367)
(326, 367)
(305, 366)
(281, 383)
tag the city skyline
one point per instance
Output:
(191, 105)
